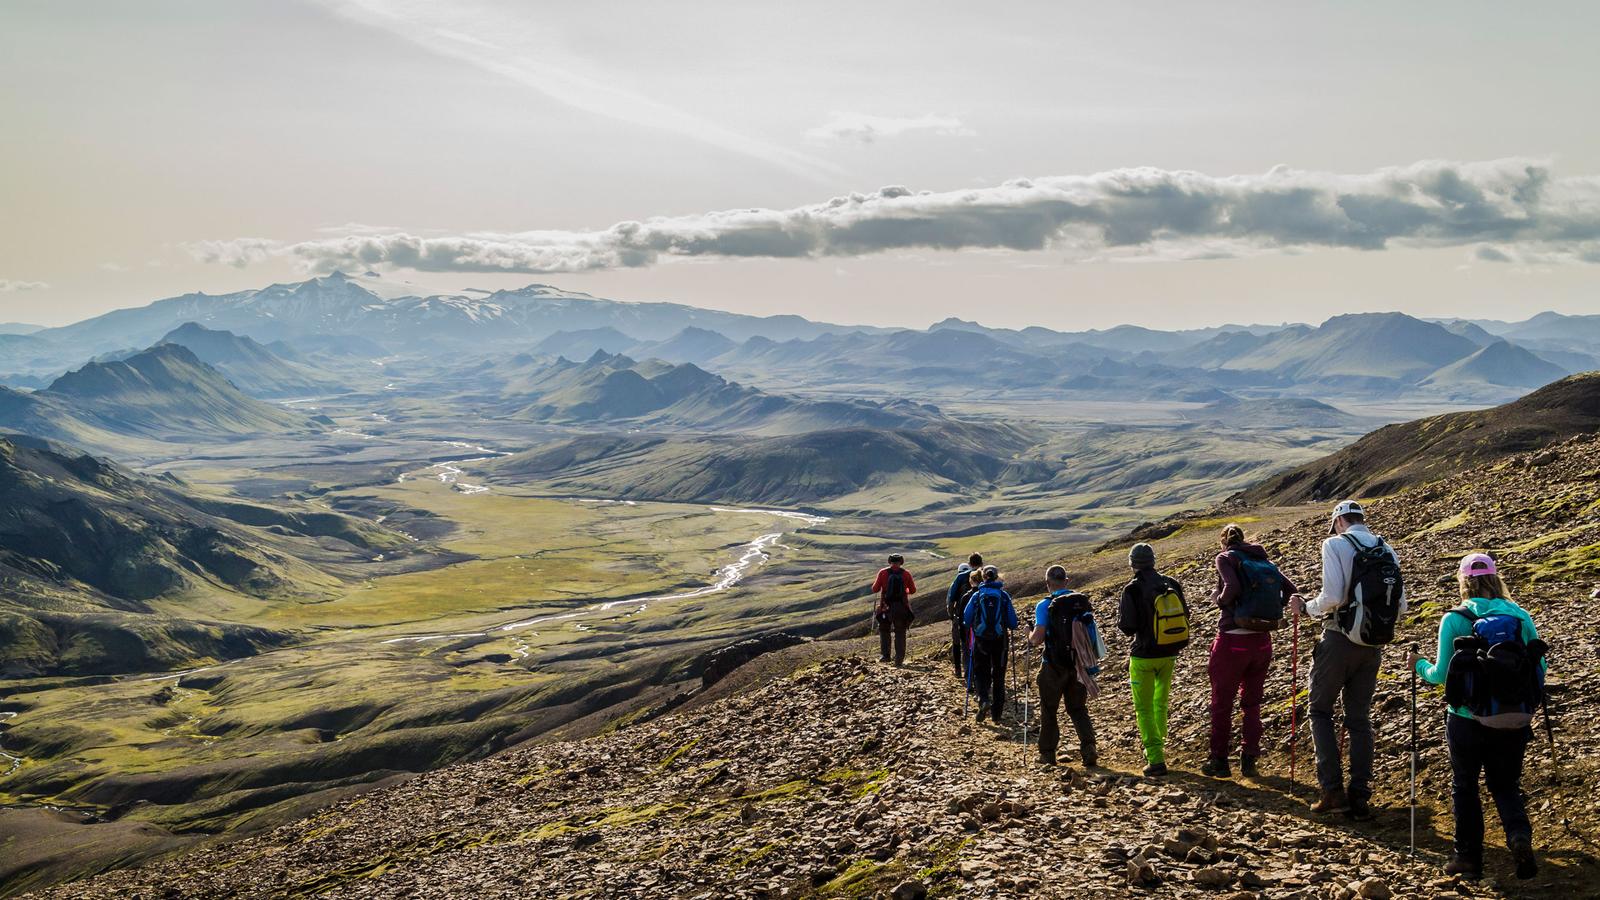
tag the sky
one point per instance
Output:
(1063, 164)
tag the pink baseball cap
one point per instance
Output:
(1478, 564)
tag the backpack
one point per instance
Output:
(1494, 673)
(894, 587)
(1260, 605)
(956, 599)
(989, 623)
(1063, 611)
(1171, 624)
(1372, 607)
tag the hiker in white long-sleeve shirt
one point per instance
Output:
(1359, 608)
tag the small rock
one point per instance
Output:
(909, 890)
(1373, 888)
(1213, 877)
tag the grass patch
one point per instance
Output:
(677, 754)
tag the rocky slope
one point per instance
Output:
(850, 779)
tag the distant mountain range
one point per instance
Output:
(342, 316)
(612, 388)
(163, 394)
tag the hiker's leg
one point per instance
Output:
(1226, 669)
(1077, 697)
(997, 657)
(1163, 699)
(1049, 699)
(1142, 681)
(1502, 770)
(1327, 680)
(883, 640)
(1465, 739)
(980, 671)
(900, 642)
(1361, 684)
(955, 648)
(1254, 689)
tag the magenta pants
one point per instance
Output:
(1238, 668)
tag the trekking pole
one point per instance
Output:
(1294, 695)
(1413, 756)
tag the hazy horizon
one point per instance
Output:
(1028, 165)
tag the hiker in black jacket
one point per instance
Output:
(956, 606)
(1154, 613)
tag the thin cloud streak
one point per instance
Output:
(12, 286)
(1514, 208)
(480, 41)
(865, 129)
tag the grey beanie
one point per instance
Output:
(1142, 556)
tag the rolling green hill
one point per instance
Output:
(251, 367)
(92, 556)
(162, 394)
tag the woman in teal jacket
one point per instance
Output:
(1475, 748)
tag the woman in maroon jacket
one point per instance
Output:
(1241, 655)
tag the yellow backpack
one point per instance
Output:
(1172, 618)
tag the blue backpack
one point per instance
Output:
(990, 623)
(1494, 673)
(1261, 598)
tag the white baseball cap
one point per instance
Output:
(1345, 508)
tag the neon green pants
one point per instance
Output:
(1152, 685)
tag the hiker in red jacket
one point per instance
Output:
(1252, 594)
(893, 587)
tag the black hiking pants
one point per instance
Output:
(894, 621)
(958, 647)
(1497, 754)
(989, 672)
(1056, 685)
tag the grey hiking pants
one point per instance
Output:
(1343, 670)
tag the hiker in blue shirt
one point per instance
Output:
(1490, 741)
(1064, 627)
(990, 618)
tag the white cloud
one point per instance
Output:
(849, 126)
(1515, 208)
(9, 286)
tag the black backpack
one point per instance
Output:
(1064, 609)
(1494, 673)
(1372, 607)
(894, 587)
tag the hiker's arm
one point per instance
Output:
(1128, 611)
(1226, 596)
(1333, 583)
(1036, 636)
(1532, 634)
(971, 612)
(911, 584)
(1450, 628)
(878, 583)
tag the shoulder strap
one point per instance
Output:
(1462, 610)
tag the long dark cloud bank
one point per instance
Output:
(1507, 210)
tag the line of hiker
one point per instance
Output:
(1490, 660)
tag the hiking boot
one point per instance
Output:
(983, 710)
(883, 659)
(1155, 770)
(999, 717)
(1359, 810)
(1047, 761)
(1522, 852)
(1330, 801)
(1247, 767)
(1465, 867)
(1216, 768)
(1089, 758)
